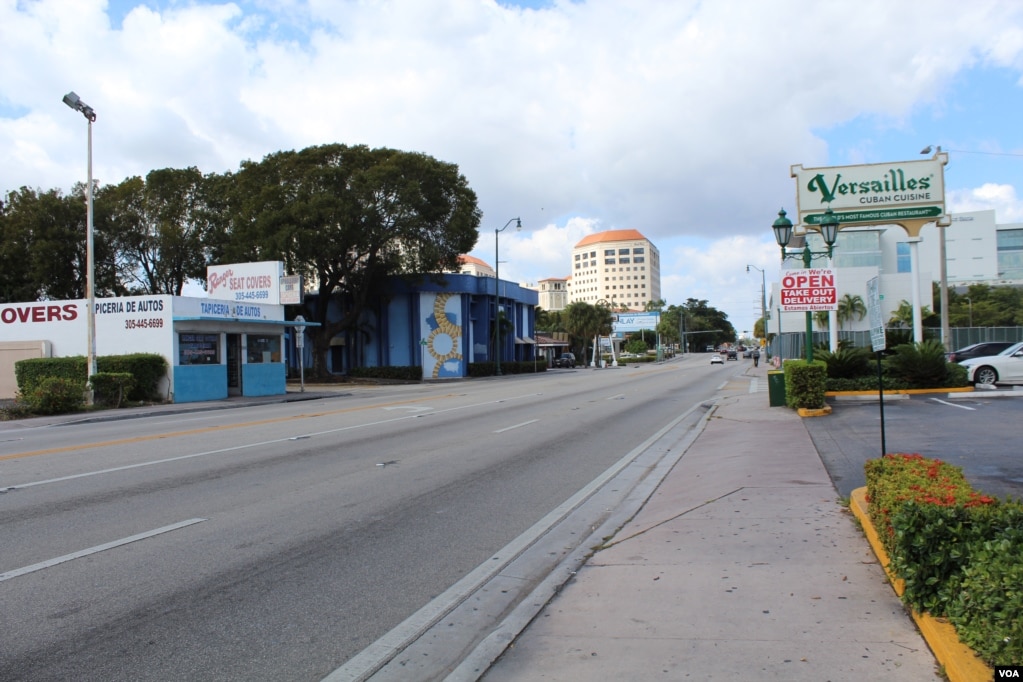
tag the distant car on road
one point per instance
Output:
(733, 354)
(977, 350)
(1004, 368)
(748, 353)
(716, 360)
(565, 360)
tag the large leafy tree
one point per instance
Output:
(982, 305)
(699, 316)
(43, 247)
(348, 217)
(157, 228)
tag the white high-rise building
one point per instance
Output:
(621, 267)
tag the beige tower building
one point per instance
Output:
(621, 267)
(553, 293)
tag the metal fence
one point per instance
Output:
(793, 344)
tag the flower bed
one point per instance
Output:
(959, 552)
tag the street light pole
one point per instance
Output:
(763, 301)
(75, 102)
(829, 231)
(497, 290)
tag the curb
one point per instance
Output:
(811, 412)
(959, 661)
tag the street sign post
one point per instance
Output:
(299, 345)
(877, 341)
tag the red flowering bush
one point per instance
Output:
(957, 551)
(896, 479)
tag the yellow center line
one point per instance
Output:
(209, 429)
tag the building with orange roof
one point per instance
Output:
(621, 267)
(471, 265)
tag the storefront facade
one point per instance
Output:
(214, 348)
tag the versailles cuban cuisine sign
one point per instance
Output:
(873, 194)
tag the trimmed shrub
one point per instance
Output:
(959, 552)
(987, 609)
(399, 373)
(111, 388)
(805, 384)
(147, 370)
(54, 395)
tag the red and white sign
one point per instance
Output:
(811, 289)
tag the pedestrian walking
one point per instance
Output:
(756, 357)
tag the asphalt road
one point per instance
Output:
(979, 433)
(277, 542)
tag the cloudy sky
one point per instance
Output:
(677, 118)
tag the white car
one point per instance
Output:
(716, 359)
(1004, 368)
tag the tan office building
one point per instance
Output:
(621, 267)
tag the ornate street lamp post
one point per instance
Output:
(783, 234)
(497, 290)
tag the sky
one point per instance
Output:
(679, 119)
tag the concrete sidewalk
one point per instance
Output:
(742, 565)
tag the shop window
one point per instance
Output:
(262, 348)
(198, 349)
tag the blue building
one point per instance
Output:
(440, 326)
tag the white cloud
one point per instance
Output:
(679, 119)
(1001, 198)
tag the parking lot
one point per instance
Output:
(979, 433)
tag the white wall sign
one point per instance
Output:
(254, 282)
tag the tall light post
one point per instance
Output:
(829, 231)
(763, 300)
(497, 289)
(942, 224)
(76, 103)
(970, 301)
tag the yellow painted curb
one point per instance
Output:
(903, 391)
(810, 412)
(961, 664)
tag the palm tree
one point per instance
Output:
(850, 306)
(821, 317)
(903, 317)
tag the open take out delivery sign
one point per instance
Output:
(811, 289)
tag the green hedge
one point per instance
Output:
(111, 388)
(54, 395)
(146, 369)
(489, 369)
(805, 384)
(397, 373)
(959, 552)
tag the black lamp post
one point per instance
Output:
(497, 290)
(783, 234)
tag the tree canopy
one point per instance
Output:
(344, 217)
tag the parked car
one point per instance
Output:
(733, 354)
(1004, 368)
(716, 360)
(977, 350)
(565, 360)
